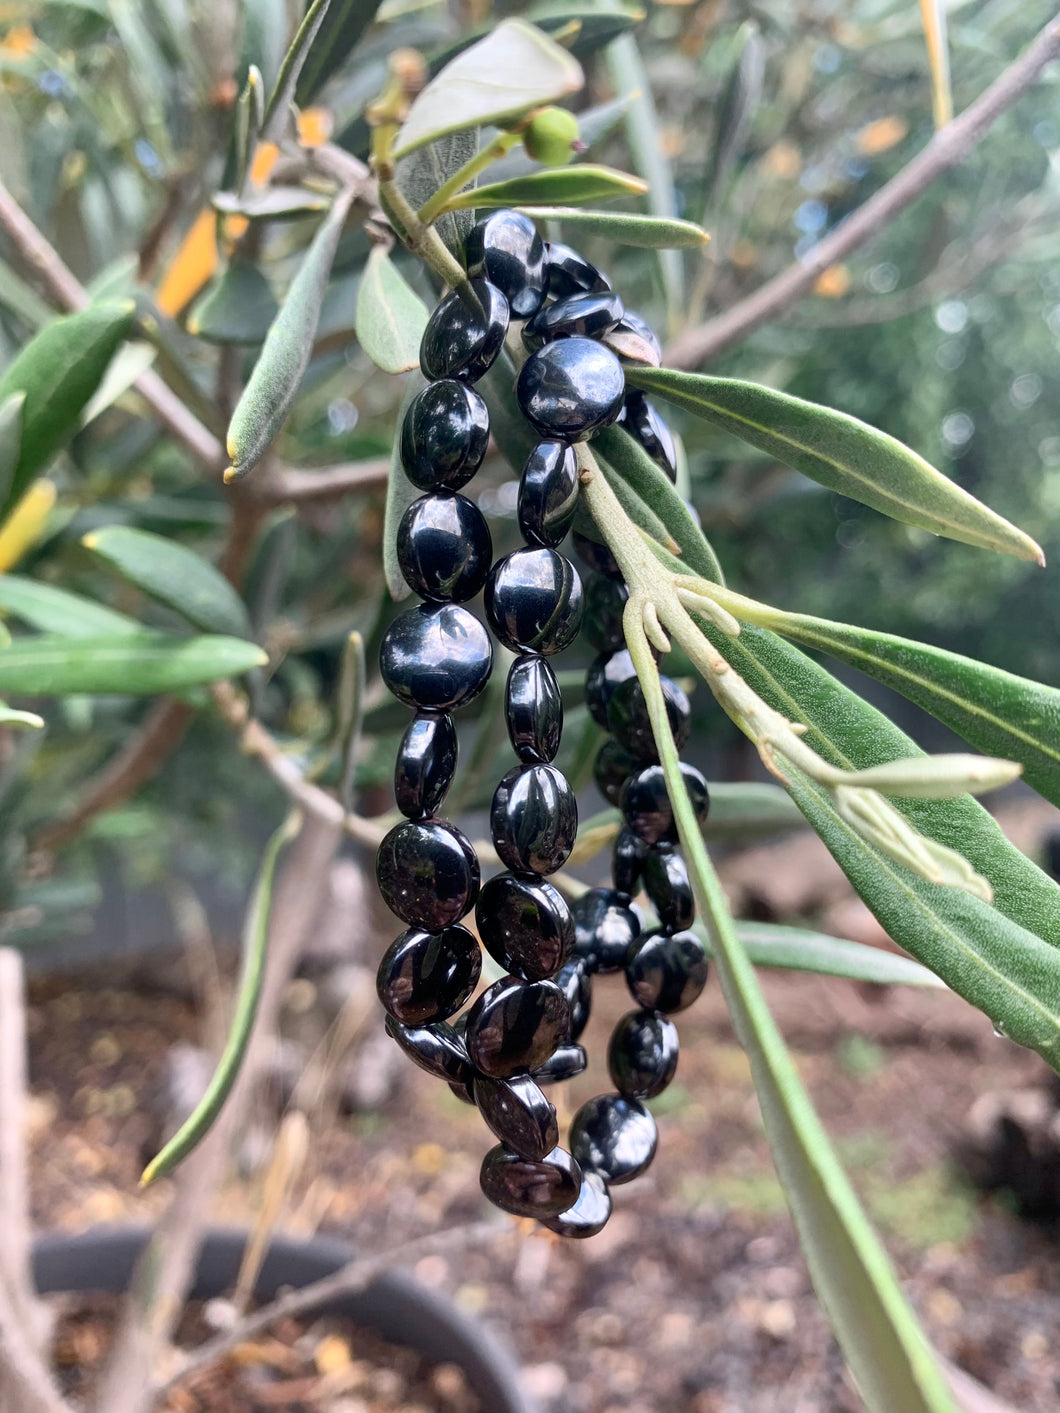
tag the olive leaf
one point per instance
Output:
(400, 493)
(343, 25)
(423, 172)
(749, 810)
(587, 182)
(10, 440)
(625, 227)
(238, 308)
(587, 31)
(743, 94)
(391, 317)
(126, 665)
(277, 110)
(13, 719)
(797, 949)
(53, 610)
(270, 204)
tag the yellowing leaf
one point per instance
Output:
(314, 126)
(881, 135)
(262, 163)
(22, 528)
(193, 264)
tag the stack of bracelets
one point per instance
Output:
(522, 1032)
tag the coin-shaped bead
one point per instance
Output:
(436, 1048)
(614, 1137)
(605, 602)
(519, 1114)
(596, 556)
(533, 601)
(425, 765)
(667, 885)
(571, 273)
(444, 548)
(586, 315)
(525, 925)
(667, 971)
(629, 722)
(533, 709)
(605, 675)
(642, 1055)
(436, 657)
(646, 805)
(515, 1026)
(534, 819)
(428, 873)
(605, 927)
(564, 1063)
(525, 1188)
(444, 436)
(642, 421)
(589, 1215)
(611, 769)
(575, 980)
(548, 494)
(426, 976)
(465, 333)
(571, 388)
(505, 248)
(627, 862)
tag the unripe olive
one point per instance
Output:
(551, 137)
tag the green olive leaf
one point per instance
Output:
(625, 227)
(570, 185)
(238, 308)
(391, 317)
(10, 440)
(277, 110)
(400, 493)
(127, 665)
(749, 810)
(797, 949)
(270, 204)
(743, 94)
(343, 26)
(53, 610)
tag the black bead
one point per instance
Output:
(613, 1137)
(574, 979)
(605, 600)
(627, 862)
(597, 556)
(628, 721)
(465, 333)
(534, 819)
(436, 657)
(428, 873)
(643, 422)
(506, 249)
(571, 273)
(533, 709)
(606, 674)
(444, 436)
(548, 494)
(571, 388)
(605, 927)
(667, 971)
(530, 1189)
(646, 805)
(525, 925)
(589, 1215)
(611, 769)
(635, 341)
(425, 765)
(426, 976)
(533, 601)
(464, 1092)
(444, 547)
(642, 1055)
(586, 315)
(437, 1048)
(515, 1026)
(666, 884)
(518, 1114)
(564, 1063)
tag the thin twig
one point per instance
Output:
(945, 151)
(287, 483)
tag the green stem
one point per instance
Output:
(423, 241)
(465, 175)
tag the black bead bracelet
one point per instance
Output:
(522, 1033)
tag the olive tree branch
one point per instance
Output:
(946, 149)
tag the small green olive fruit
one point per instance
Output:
(551, 137)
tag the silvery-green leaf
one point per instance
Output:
(797, 949)
(271, 204)
(421, 173)
(238, 307)
(400, 493)
(141, 664)
(277, 110)
(566, 185)
(625, 227)
(53, 610)
(391, 317)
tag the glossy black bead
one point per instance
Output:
(548, 494)
(444, 547)
(534, 819)
(564, 1063)
(525, 925)
(605, 927)
(444, 436)
(571, 273)
(646, 805)
(575, 980)
(605, 600)
(426, 976)
(436, 657)
(515, 1026)
(666, 884)
(585, 315)
(629, 723)
(635, 341)
(506, 249)
(667, 971)
(533, 601)
(571, 388)
(425, 765)
(436, 1048)
(597, 556)
(643, 422)
(428, 873)
(611, 769)
(642, 1055)
(533, 709)
(613, 1137)
(606, 674)
(530, 1189)
(590, 1213)
(518, 1114)
(627, 862)
(465, 333)
(464, 1092)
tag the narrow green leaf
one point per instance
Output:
(796, 949)
(427, 169)
(344, 24)
(270, 204)
(26, 720)
(570, 185)
(273, 385)
(127, 665)
(53, 610)
(58, 371)
(277, 110)
(250, 111)
(173, 575)
(513, 70)
(596, 28)
(10, 440)
(237, 308)
(750, 810)
(743, 94)
(400, 493)
(349, 714)
(251, 979)
(391, 317)
(124, 368)
(22, 299)
(841, 453)
(625, 227)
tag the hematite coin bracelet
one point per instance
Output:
(522, 1033)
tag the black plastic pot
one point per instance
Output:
(395, 1305)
